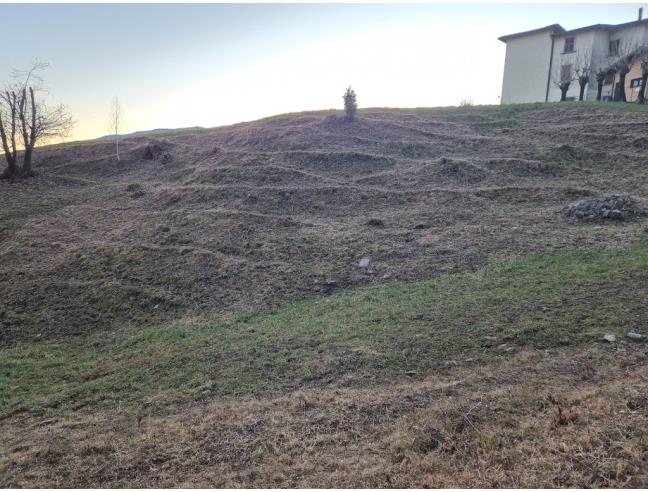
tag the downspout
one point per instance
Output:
(550, 63)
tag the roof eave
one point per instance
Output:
(553, 28)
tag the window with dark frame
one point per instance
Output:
(569, 45)
(635, 83)
(609, 78)
(614, 47)
(565, 73)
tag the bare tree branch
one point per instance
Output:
(26, 120)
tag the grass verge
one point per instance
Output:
(538, 302)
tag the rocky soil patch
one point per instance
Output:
(615, 206)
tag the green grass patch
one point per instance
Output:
(538, 302)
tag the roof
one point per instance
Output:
(606, 27)
(553, 28)
(557, 29)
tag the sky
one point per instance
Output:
(179, 65)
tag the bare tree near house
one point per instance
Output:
(562, 77)
(620, 94)
(350, 104)
(641, 98)
(583, 72)
(625, 56)
(601, 73)
(28, 120)
(115, 123)
(603, 69)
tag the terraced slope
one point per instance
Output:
(196, 314)
(267, 212)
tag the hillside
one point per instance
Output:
(203, 313)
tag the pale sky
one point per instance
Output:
(185, 65)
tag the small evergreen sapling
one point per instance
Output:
(350, 105)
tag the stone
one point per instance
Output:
(364, 263)
(609, 338)
(610, 207)
(633, 335)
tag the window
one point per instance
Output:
(609, 78)
(569, 45)
(614, 47)
(634, 83)
(565, 73)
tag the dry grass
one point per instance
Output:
(488, 426)
(197, 239)
(264, 213)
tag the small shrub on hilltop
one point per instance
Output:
(350, 104)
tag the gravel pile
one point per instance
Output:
(606, 207)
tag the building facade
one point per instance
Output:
(536, 61)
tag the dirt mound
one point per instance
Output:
(460, 170)
(157, 150)
(615, 206)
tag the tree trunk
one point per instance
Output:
(599, 90)
(11, 162)
(27, 162)
(564, 87)
(582, 91)
(117, 142)
(641, 98)
(29, 137)
(622, 92)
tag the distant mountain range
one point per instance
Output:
(156, 131)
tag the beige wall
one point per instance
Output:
(526, 68)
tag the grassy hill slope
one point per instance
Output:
(196, 314)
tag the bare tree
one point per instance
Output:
(600, 80)
(583, 72)
(603, 70)
(641, 98)
(350, 104)
(562, 77)
(27, 120)
(115, 123)
(625, 52)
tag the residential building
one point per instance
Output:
(536, 61)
